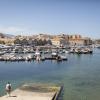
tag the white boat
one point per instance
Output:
(97, 45)
(54, 53)
(63, 57)
(84, 51)
(67, 52)
(26, 58)
(37, 53)
(72, 50)
(29, 56)
(19, 58)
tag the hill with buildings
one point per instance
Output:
(44, 39)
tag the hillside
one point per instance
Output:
(3, 35)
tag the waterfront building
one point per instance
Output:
(78, 40)
(57, 41)
(97, 41)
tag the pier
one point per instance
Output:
(34, 92)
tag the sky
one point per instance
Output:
(28, 17)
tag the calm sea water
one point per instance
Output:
(80, 75)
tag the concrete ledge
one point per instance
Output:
(34, 92)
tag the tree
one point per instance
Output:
(40, 42)
(35, 42)
(49, 42)
(2, 42)
(17, 41)
(44, 42)
(24, 42)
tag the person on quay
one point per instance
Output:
(8, 89)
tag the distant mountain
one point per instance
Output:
(3, 35)
(9, 35)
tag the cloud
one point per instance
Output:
(11, 30)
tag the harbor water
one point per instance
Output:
(80, 75)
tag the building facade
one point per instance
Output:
(78, 40)
(57, 41)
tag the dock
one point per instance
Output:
(34, 92)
